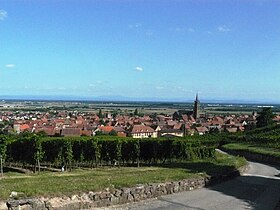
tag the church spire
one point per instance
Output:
(196, 107)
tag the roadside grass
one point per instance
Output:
(253, 148)
(84, 180)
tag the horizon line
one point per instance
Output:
(132, 100)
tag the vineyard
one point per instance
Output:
(34, 152)
(264, 141)
(268, 136)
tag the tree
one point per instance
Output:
(113, 133)
(100, 115)
(250, 126)
(214, 130)
(137, 151)
(42, 134)
(38, 153)
(154, 116)
(115, 113)
(136, 112)
(68, 154)
(118, 152)
(265, 117)
(3, 150)
(101, 122)
(183, 128)
(96, 147)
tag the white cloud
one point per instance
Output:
(191, 30)
(138, 68)
(223, 28)
(3, 14)
(10, 65)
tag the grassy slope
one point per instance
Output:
(56, 184)
(264, 141)
(254, 148)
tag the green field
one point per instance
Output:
(128, 107)
(79, 180)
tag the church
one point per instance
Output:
(195, 113)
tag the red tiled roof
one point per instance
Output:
(201, 129)
(106, 129)
(142, 129)
(119, 129)
(24, 127)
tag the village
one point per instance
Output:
(76, 123)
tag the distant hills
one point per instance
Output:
(120, 98)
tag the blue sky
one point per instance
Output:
(157, 49)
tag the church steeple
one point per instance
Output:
(196, 107)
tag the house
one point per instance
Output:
(120, 131)
(105, 129)
(171, 132)
(142, 131)
(201, 130)
(48, 130)
(277, 119)
(18, 128)
(70, 132)
(231, 130)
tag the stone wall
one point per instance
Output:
(118, 196)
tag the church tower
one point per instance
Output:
(196, 107)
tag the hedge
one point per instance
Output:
(95, 151)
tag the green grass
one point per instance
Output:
(77, 181)
(253, 148)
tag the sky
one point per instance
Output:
(141, 49)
